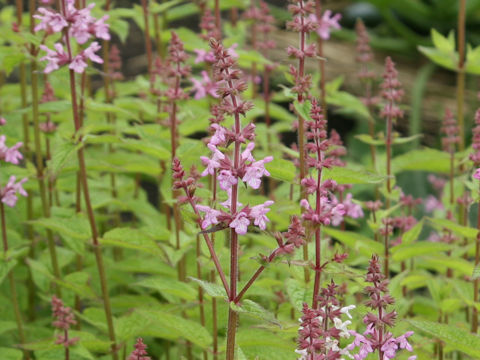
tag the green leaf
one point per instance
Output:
(254, 310)
(147, 147)
(214, 290)
(406, 251)
(11, 354)
(447, 60)
(165, 325)
(281, 169)
(11, 61)
(296, 292)
(430, 160)
(343, 175)
(5, 267)
(443, 43)
(130, 326)
(168, 287)
(131, 239)
(76, 227)
(7, 326)
(62, 154)
(412, 234)
(367, 139)
(363, 244)
(453, 336)
(464, 231)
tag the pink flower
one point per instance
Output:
(255, 171)
(226, 204)
(212, 163)
(55, 58)
(204, 56)
(476, 175)
(50, 21)
(89, 52)
(351, 209)
(432, 203)
(226, 179)
(247, 153)
(8, 194)
(100, 29)
(258, 214)
(140, 351)
(219, 136)
(204, 87)
(2, 121)
(326, 23)
(210, 216)
(10, 155)
(78, 64)
(402, 341)
(240, 223)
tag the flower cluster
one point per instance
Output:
(326, 23)
(10, 155)
(140, 351)
(292, 239)
(64, 318)
(376, 337)
(321, 329)
(303, 23)
(392, 91)
(204, 87)
(451, 131)
(79, 25)
(327, 210)
(244, 166)
(8, 193)
(207, 24)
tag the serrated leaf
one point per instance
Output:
(363, 244)
(11, 354)
(412, 234)
(453, 336)
(131, 238)
(403, 252)
(367, 139)
(214, 290)
(169, 326)
(281, 169)
(5, 268)
(465, 231)
(169, 287)
(343, 175)
(252, 309)
(76, 227)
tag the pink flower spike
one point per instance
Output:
(240, 223)
(204, 56)
(258, 214)
(140, 351)
(2, 121)
(50, 21)
(476, 175)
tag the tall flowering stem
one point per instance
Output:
(366, 76)
(304, 25)
(140, 351)
(475, 157)
(79, 25)
(324, 210)
(8, 196)
(451, 131)
(177, 70)
(392, 93)
(38, 147)
(376, 337)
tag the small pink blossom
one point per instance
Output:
(8, 194)
(226, 204)
(219, 137)
(212, 163)
(55, 58)
(326, 23)
(432, 203)
(476, 175)
(2, 121)
(247, 153)
(204, 87)
(258, 214)
(210, 216)
(10, 155)
(204, 56)
(226, 179)
(50, 21)
(240, 223)
(100, 29)
(255, 171)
